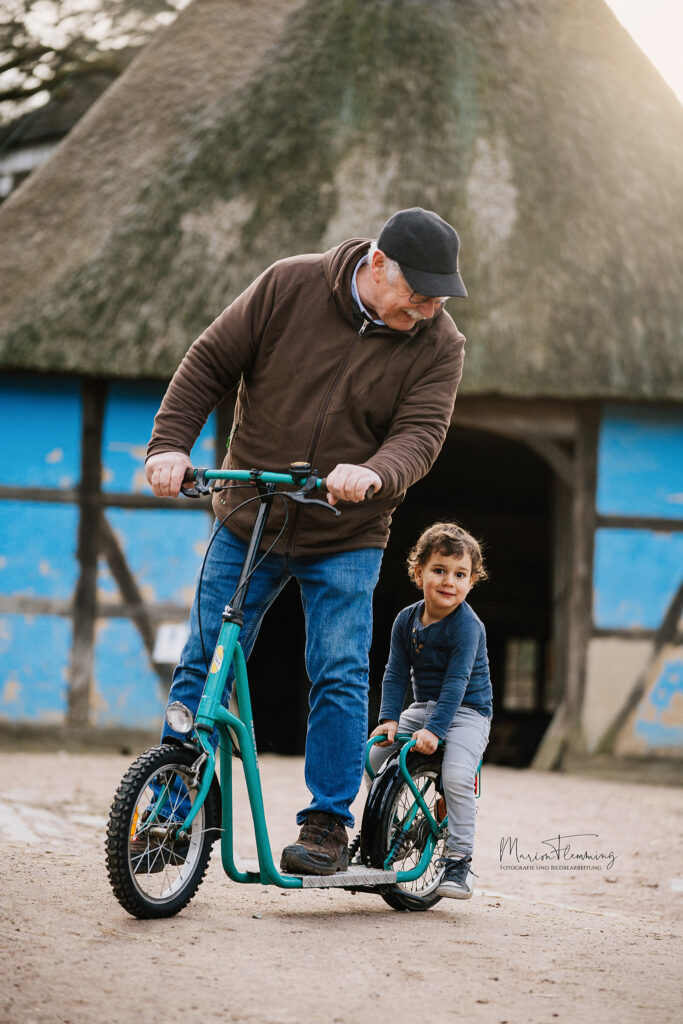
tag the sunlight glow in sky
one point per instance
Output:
(657, 27)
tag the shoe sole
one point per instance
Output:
(454, 894)
(295, 861)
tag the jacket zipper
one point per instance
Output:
(317, 429)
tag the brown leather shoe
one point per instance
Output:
(321, 849)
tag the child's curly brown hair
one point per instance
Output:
(447, 539)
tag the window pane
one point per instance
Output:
(520, 674)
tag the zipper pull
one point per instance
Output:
(366, 324)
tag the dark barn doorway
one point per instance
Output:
(503, 493)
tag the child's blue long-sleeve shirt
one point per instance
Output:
(446, 661)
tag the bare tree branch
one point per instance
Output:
(44, 44)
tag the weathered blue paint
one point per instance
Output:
(35, 651)
(38, 549)
(640, 462)
(106, 585)
(41, 431)
(163, 549)
(636, 574)
(128, 422)
(651, 725)
(127, 689)
(42, 424)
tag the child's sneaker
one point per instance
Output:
(455, 881)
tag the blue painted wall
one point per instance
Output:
(41, 427)
(34, 653)
(127, 689)
(42, 423)
(636, 575)
(659, 720)
(38, 549)
(640, 463)
(163, 549)
(128, 423)
(637, 572)
(640, 473)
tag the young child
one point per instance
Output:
(439, 645)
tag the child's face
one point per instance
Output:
(445, 580)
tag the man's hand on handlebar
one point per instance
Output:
(351, 483)
(165, 473)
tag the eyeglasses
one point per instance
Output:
(415, 299)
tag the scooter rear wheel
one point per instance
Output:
(388, 805)
(152, 872)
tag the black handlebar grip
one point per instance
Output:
(189, 475)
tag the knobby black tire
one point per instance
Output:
(389, 793)
(184, 863)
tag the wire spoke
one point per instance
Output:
(159, 861)
(410, 848)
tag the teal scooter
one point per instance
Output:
(172, 805)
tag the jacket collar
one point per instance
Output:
(339, 264)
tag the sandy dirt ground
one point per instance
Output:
(565, 938)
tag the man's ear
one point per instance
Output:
(377, 266)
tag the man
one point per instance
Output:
(346, 360)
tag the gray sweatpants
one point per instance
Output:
(464, 744)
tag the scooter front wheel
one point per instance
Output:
(153, 872)
(394, 832)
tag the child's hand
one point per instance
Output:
(389, 729)
(425, 741)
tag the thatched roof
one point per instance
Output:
(249, 131)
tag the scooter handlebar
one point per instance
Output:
(208, 474)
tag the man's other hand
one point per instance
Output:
(350, 483)
(165, 473)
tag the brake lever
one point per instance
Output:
(200, 486)
(300, 496)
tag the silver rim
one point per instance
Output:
(159, 866)
(407, 859)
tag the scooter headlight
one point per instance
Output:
(179, 717)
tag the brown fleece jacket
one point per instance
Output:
(314, 389)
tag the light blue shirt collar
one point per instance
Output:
(354, 292)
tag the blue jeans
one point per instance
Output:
(336, 592)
